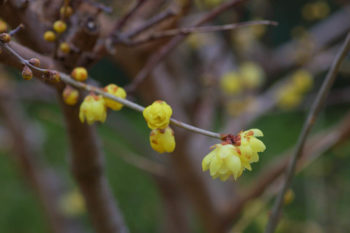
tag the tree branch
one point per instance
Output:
(158, 56)
(314, 111)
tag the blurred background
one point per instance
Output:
(262, 77)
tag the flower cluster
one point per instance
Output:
(94, 108)
(157, 116)
(292, 93)
(59, 26)
(234, 155)
(249, 76)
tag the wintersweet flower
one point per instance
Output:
(70, 95)
(252, 74)
(249, 146)
(157, 115)
(3, 26)
(116, 91)
(223, 162)
(162, 140)
(59, 26)
(288, 97)
(234, 154)
(49, 36)
(230, 83)
(72, 203)
(302, 80)
(79, 73)
(64, 47)
(66, 11)
(93, 109)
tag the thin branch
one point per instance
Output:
(121, 22)
(157, 57)
(68, 80)
(190, 30)
(151, 22)
(314, 111)
(142, 163)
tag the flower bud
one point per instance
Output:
(3, 26)
(34, 62)
(288, 197)
(116, 91)
(5, 37)
(27, 73)
(55, 76)
(49, 36)
(231, 83)
(64, 47)
(80, 74)
(162, 140)
(93, 109)
(252, 75)
(66, 11)
(72, 204)
(59, 26)
(70, 95)
(157, 115)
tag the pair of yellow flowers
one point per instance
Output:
(93, 108)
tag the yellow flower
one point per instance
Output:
(162, 140)
(157, 115)
(116, 91)
(316, 10)
(64, 47)
(49, 36)
(249, 146)
(72, 203)
(3, 26)
(288, 197)
(27, 73)
(223, 162)
(66, 11)
(70, 95)
(288, 97)
(80, 74)
(92, 109)
(59, 26)
(230, 83)
(252, 74)
(302, 80)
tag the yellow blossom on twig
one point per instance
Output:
(116, 91)
(93, 109)
(235, 154)
(157, 115)
(162, 140)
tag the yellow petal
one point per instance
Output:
(207, 160)
(215, 165)
(257, 145)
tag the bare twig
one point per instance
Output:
(122, 21)
(190, 30)
(314, 111)
(154, 60)
(151, 22)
